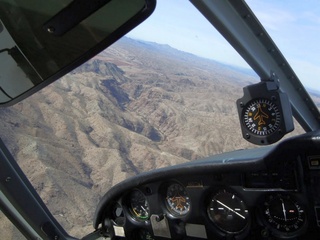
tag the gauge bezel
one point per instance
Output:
(271, 224)
(128, 202)
(170, 206)
(224, 231)
(165, 205)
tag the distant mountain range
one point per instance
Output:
(136, 106)
(314, 93)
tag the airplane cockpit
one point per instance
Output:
(268, 192)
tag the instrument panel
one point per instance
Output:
(183, 208)
(272, 197)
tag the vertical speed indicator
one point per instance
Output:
(261, 117)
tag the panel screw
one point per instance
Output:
(247, 135)
(8, 179)
(159, 218)
(264, 233)
(51, 29)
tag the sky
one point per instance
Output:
(293, 25)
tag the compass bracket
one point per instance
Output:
(273, 83)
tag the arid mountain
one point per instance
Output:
(135, 107)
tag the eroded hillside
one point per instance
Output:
(135, 107)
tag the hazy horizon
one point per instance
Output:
(294, 26)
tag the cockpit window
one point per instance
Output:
(41, 42)
(295, 28)
(8, 230)
(204, 40)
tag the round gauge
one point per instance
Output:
(284, 214)
(139, 206)
(177, 199)
(261, 117)
(228, 212)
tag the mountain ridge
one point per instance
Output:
(126, 111)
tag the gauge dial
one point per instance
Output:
(228, 212)
(177, 199)
(139, 206)
(284, 214)
(261, 117)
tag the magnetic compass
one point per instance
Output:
(265, 113)
(261, 117)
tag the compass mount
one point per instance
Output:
(264, 112)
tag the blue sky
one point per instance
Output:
(293, 25)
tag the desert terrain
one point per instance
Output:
(135, 107)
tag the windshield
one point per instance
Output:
(295, 29)
(160, 96)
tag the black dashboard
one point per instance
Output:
(265, 193)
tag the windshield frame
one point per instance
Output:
(241, 28)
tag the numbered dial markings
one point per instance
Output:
(178, 201)
(283, 213)
(261, 117)
(139, 206)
